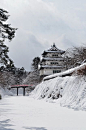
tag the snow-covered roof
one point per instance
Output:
(53, 49)
(67, 72)
(47, 66)
(52, 59)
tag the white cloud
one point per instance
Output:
(42, 22)
(22, 51)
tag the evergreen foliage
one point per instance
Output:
(4, 58)
(33, 77)
(6, 32)
(0, 97)
(35, 63)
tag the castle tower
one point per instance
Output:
(52, 61)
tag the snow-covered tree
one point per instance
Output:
(6, 64)
(33, 77)
(6, 32)
(4, 58)
(6, 79)
(74, 56)
(35, 63)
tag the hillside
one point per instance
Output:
(69, 91)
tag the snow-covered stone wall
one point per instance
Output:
(68, 91)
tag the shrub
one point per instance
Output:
(81, 71)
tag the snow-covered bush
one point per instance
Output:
(81, 71)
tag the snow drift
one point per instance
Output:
(69, 91)
(5, 92)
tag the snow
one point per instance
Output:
(69, 91)
(5, 91)
(1, 64)
(48, 66)
(65, 72)
(51, 59)
(22, 113)
(59, 51)
(48, 106)
(12, 92)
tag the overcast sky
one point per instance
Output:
(42, 22)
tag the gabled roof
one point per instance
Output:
(53, 49)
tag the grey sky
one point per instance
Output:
(42, 22)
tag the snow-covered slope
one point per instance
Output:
(69, 91)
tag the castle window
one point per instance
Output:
(56, 71)
(55, 55)
(54, 63)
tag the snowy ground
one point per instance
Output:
(24, 113)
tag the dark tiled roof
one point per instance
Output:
(53, 49)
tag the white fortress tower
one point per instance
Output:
(52, 61)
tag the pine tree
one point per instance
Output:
(6, 32)
(33, 76)
(35, 63)
(6, 64)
